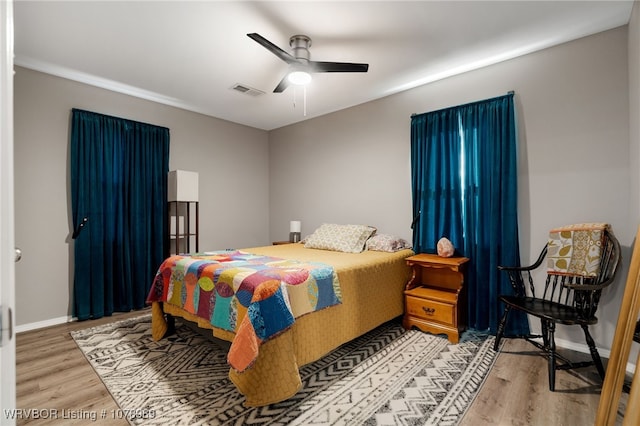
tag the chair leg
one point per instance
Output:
(544, 326)
(551, 328)
(594, 351)
(501, 326)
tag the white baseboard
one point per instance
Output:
(61, 320)
(583, 348)
(42, 324)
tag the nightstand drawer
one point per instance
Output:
(430, 310)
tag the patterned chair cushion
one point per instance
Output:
(575, 249)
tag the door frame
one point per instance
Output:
(7, 236)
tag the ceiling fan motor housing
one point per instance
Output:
(300, 45)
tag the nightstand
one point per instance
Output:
(435, 297)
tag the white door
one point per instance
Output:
(7, 247)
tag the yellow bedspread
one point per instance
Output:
(372, 286)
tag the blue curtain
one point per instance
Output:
(435, 157)
(119, 195)
(464, 183)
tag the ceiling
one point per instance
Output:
(191, 54)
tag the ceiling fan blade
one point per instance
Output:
(273, 48)
(338, 67)
(284, 83)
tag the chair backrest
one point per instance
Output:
(580, 292)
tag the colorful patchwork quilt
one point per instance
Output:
(254, 296)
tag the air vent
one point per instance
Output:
(243, 88)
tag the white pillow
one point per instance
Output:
(386, 242)
(345, 238)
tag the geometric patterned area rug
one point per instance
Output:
(388, 376)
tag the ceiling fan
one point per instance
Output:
(300, 64)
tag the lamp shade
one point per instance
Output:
(294, 231)
(182, 186)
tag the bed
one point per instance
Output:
(369, 292)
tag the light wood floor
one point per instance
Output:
(52, 373)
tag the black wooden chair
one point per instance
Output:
(564, 299)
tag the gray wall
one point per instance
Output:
(634, 112)
(634, 129)
(233, 201)
(573, 115)
(352, 166)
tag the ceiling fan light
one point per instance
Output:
(300, 78)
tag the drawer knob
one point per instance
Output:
(428, 311)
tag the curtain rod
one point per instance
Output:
(117, 118)
(510, 92)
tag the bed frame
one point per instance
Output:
(371, 284)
